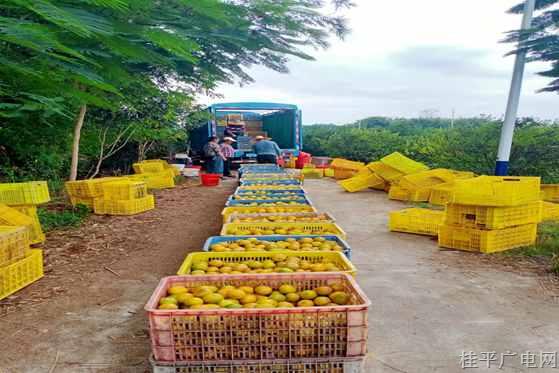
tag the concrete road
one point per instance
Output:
(429, 310)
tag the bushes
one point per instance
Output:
(470, 145)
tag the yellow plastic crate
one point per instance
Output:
(441, 194)
(550, 211)
(124, 207)
(88, 188)
(242, 229)
(346, 164)
(125, 190)
(337, 258)
(484, 217)
(148, 167)
(497, 191)
(342, 174)
(550, 192)
(487, 241)
(13, 217)
(463, 174)
(14, 244)
(398, 193)
(416, 220)
(259, 209)
(312, 173)
(386, 172)
(329, 172)
(18, 275)
(403, 164)
(30, 193)
(361, 182)
(280, 216)
(160, 180)
(36, 231)
(426, 179)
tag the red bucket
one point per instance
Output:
(210, 179)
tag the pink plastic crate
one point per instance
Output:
(259, 334)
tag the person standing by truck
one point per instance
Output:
(267, 151)
(213, 157)
(228, 152)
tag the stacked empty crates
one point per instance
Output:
(491, 214)
(156, 173)
(24, 198)
(124, 197)
(19, 227)
(111, 195)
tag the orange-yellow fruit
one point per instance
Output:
(305, 303)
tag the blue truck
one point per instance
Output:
(281, 122)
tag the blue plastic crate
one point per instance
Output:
(271, 182)
(303, 200)
(271, 191)
(217, 239)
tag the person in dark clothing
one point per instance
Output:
(267, 151)
(213, 156)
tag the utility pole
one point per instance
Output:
(452, 119)
(507, 132)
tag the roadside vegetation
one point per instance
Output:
(467, 144)
(89, 86)
(61, 216)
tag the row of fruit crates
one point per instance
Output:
(263, 302)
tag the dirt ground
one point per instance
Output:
(87, 314)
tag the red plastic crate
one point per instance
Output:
(256, 333)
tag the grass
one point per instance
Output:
(547, 245)
(62, 217)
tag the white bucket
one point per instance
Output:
(191, 172)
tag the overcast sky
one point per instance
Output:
(405, 57)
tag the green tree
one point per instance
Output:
(541, 41)
(59, 58)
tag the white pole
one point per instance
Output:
(507, 132)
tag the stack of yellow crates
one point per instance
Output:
(418, 187)
(24, 198)
(19, 265)
(124, 197)
(84, 192)
(156, 173)
(490, 214)
(345, 169)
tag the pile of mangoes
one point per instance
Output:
(262, 296)
(253, 244)
(282, 219)
(277, 263)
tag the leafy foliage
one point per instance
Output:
(542, 40)
(130, 63)
(471, 145)
(62, 218)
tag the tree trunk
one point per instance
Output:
(76, 144)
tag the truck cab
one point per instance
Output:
(281, 122)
